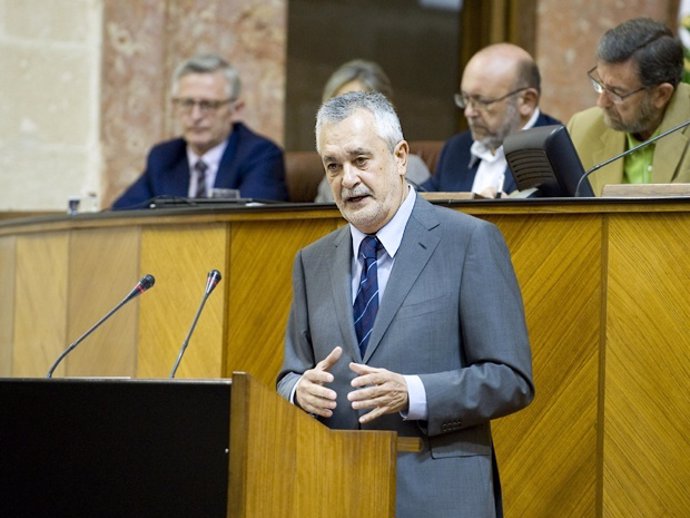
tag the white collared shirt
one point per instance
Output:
(491, 173)
(212, 159)
(390, 236)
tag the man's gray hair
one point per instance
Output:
(651, 45)
(340, 108)
(208, 64)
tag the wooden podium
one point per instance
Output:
(226, 448)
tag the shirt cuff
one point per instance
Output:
(417, 408)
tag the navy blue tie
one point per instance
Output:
(200, 167)
(367, 299)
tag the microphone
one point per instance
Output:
(146, 282)
(627, 152)
(212, 280)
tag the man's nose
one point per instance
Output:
(350, 175)
(471, 111)
(603, 100)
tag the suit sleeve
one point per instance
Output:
(136, 195)
(495, 378)
(299, 355)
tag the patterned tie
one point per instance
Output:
(367, 300)
(200, 167)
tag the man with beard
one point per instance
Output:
(637, 77)
(499, 94)
(409, 319)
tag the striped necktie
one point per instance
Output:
(367, 300)
(200, 167)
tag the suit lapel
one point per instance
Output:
(610, 144)
(341, 287)
(417, 246)
(179, 177)
(670, 150)
(226, 178)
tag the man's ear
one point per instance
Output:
(401, 151)
(529, 100)
(662, 95)
(237, 109)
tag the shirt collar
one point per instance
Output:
(212, 157)
(391, 234)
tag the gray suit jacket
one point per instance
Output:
(452, 313)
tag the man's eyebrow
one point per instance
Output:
(358, 151)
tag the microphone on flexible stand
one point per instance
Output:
(627, 152)
(212, 280)
(146, 282)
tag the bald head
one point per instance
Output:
(503, 64)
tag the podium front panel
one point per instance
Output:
(86, 447)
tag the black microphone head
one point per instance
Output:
(212, 280)
(147, 281)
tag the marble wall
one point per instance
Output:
(84, 87)
(49, 101)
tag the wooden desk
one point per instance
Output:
(605, 285)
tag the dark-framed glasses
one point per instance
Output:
(187, 104)
(463, 100)
(600, 88)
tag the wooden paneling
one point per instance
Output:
(647, 445)
(291, 468)
(7, 274)
(40, 322)
(262, 255)
(558, 264)
(180, 257)
(103, 267)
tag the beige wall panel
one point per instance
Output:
(558, 265)
(103, 268)
(180, 258)
(262, 254)
(647, 467)
(7, 272)
(40, 303)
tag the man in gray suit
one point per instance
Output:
(439, 347)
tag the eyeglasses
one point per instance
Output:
(186, 104)
(462, 101)
(601, 88)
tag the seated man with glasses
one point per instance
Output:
(638, 81)
(215, 150)
(499, 94)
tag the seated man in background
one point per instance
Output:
(215, 150)
(366, 76)
(637, 76)
(499, 94)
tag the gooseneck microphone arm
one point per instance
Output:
(144, 284)
(627, 152)
(212, 280)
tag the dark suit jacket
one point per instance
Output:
(251, 163)
(457, 167)
(452, 313)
